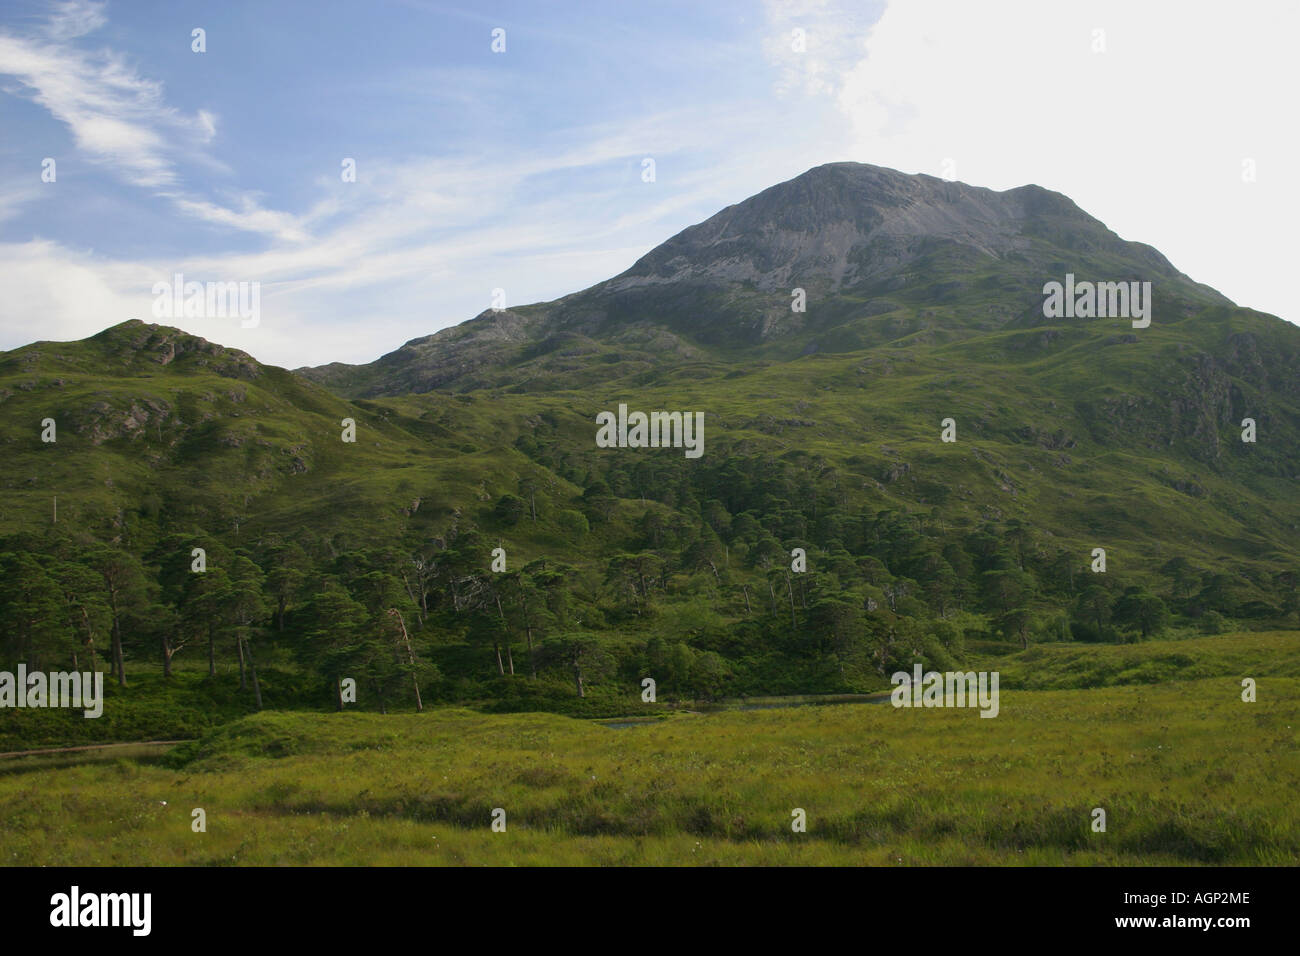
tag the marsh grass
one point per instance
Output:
(1186, 771)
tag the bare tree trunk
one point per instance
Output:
(410, 658)
(496, 646)
(789, 589)
(90, 638)
(419, 615)
(506, 625)
(745, 588)
(257, 688)
(528, 626)
(117, 650)
(789, 586)
(167, 656)
(243, 679)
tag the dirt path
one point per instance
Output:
(68, 750)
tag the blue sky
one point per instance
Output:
(522, 170)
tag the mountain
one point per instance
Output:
(822, 432)
(876, 252)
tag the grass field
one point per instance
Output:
(1186, 771)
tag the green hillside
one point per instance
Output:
(372, 560)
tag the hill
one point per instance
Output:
(373, 559)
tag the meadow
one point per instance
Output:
(1156, 734)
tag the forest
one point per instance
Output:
(733, 577)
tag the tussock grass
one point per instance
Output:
(1186, 771)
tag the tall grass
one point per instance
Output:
(1186, 772)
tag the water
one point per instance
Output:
(761, 705)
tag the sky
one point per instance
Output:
(523, 168)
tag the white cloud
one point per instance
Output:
(812, 42)
(250, 217)
(74, 18)
(1148, 136)
(54, 293)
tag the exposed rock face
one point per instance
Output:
(102, 422)
(848, 223)
(134, 342)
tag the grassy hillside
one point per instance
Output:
(627, 563)
(1070, 667)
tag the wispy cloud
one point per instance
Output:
(249, 217)
(116, 116)
(814, 43)
(74, 18)
(14, 195)
(119, 118)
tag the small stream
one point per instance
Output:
(758, 705)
